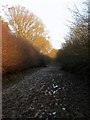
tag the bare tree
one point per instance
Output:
(24, 22)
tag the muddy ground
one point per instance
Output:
(46, 92)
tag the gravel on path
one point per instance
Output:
(48, 92)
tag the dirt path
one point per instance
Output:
(46, 93)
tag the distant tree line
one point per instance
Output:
(74, 54)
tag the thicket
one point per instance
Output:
(74, 56)
(18, 53)
(24, 41)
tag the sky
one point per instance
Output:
(53, 13)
